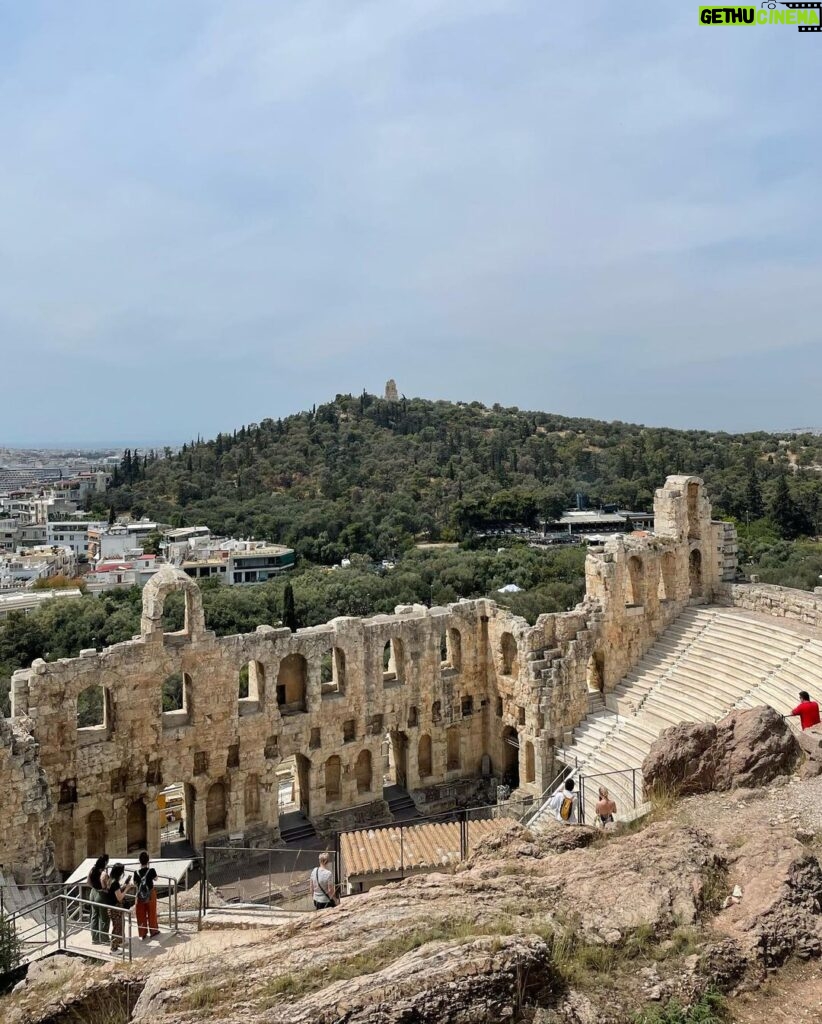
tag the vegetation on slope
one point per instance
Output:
(365, 475)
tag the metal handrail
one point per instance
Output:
(565, 772)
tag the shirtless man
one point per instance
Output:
(606, 808)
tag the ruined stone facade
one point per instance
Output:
(458, 691)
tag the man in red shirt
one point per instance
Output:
(807, 710)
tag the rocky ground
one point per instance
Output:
(570, 927)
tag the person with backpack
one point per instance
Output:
(116, 897)
(144, 879)
(322, 885)
(97, 882)
(564, 804)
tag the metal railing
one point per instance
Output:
(273, 877)
(55, 919)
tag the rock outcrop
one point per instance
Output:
(746, 748)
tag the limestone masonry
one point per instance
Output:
(461, 692)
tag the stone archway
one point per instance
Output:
(510, 757)
(216, 808)
(95, 834)
(166, 580)
(595, 673)
(136, 826)
(695, 572)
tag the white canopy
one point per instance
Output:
(165, 868)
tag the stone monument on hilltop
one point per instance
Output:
(391, 394)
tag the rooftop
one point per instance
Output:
(411, 848)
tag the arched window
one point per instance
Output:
(252, 799)
(92, 710)
(455, 649)
(363, 772)
(693, 511)
(508, 654)
(436, 711)
(177, 699)
(292, 683)
(424, 756)
(95, 834)
(333, 774)
(636, 581)
(136, 831)
(453, 758)
(530, 769)
(695, 572)
(393, 661)
(216, 808)
(251, 687)
(595, 673)
(332, 671)
(667, 577)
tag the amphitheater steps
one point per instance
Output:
(709, 661)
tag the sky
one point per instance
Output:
(217, 212)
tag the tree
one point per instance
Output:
(10, 950)
(111, 516)
(753, 495)
(790, 519)
(289, 611)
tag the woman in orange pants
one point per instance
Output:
(146, 906)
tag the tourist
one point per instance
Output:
(807, 710)
(564, 804)
(606, 808)
(116, 893)
(322, 885)
(97, 882)
(146, 905)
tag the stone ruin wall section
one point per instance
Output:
(502, 697)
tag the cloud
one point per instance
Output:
(478, 198)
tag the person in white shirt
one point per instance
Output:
(564, 804)
(322, 885)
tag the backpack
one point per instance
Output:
(143, 888)
(566, 808)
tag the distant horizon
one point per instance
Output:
(158, 445)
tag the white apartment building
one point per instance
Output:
(71, 533)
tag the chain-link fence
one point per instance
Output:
(266, 877)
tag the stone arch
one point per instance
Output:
(455, 649)
(165, 581)
(177, 699)
(595, 673)
(695, 572)
(393, 660)
(693, 511)
(304, 782)
(530, 765)
(453, 754)
(136, 826)
(216, 808)
(667, 576)
(363, 772)
(436, 711)
(333, 779)
(252, 799)
(508, 654)
(292, 684)
(93, 708)
(251, 687)
(332, 671)
(95, 834)
(636, 581)
(510, 744)
(424, 766)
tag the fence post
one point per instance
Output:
(402, 852)
(205, 878)
(633, 783)
(269, 879)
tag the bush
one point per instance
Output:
(10, 951)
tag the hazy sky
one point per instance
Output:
(217, 212)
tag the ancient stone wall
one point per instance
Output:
(780, 602)
(457, 692)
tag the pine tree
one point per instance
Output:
(111, 515)
(289, 611)
(786, 514)
(753, 495)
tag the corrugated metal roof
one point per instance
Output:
(411, 848)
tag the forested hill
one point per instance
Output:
(367, 475)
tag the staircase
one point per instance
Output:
(709, 661)
(400, 804)
(295, 829)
